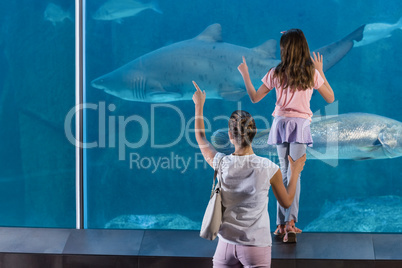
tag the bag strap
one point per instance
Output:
(215, 174)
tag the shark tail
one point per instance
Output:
(336, 51)
(155, 7)
(220, 140)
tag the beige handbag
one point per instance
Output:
(213, 214)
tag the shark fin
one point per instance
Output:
(363, 158)
(165, 96)
(155, 7)
(368, 149)
(268, 49)
(159, 94)
(233, 95)
(387, 141)
(213, 33)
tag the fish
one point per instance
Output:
(119, 9)
(55, 14)
(356, 136)
(166, 74)
(377, 31)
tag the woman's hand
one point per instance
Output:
(318, 62)
(243, 68)
(199, 96)
(297, 166)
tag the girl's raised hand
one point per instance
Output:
(243, 69)
(199, 96)
(318, 61)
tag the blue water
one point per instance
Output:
(37, 174)
(37, 91)
(366, 80)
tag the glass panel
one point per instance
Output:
(37, 173)
(143, 170)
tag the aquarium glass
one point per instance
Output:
(142, 167)
(37, 161)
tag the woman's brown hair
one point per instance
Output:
(242, 127)
(296, 69)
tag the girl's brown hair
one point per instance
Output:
(242, 127)
(296, 69)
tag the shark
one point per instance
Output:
(375, 31)
(165, 74)
(119, 9)
(355, 136)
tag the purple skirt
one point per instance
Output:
(291, 130)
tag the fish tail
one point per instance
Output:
(155, 7)
(70, 17)
(220, 140)
(71, 13)
(399, 23)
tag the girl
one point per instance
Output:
(294, 79)
(244, 236)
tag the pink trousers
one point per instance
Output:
(229, 255)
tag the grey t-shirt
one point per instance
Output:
(245, 185)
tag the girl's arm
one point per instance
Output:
(325, 90)
(285, 196)
(207, 150)
(255, 96)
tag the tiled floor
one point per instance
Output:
(65, 248)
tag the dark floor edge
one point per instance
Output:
(187, 245)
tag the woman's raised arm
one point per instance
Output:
(207, 150)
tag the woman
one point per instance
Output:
(244, 236)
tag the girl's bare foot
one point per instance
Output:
(290, 227)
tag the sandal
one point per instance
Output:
(280, 231)
(290, 237)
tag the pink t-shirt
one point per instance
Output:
(292, 103)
